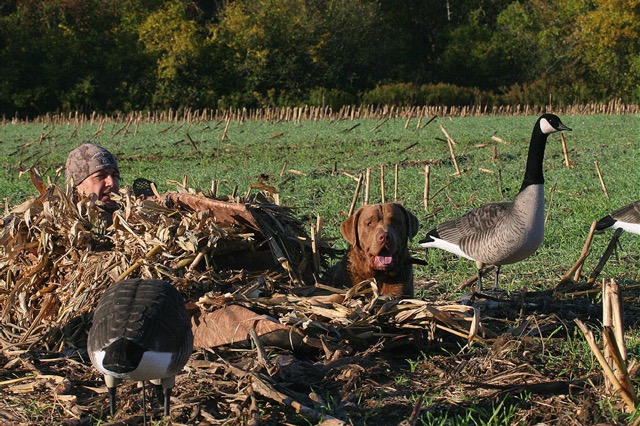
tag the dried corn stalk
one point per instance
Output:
(58, 254)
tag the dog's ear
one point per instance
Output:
(412, 223)
(349, 228)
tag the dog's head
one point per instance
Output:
(381, 232)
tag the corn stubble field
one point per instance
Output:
(533, 365)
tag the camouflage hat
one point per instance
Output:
(87, 159)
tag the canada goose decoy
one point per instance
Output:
(626, 218)
(140, 331)
(508, 232)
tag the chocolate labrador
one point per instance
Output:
(378, 235)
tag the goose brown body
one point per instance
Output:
(508, 232)
(500, 233)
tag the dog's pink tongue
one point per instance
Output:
(382, 262)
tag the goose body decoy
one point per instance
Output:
(626, 218)
(507, 232)
(140, 332)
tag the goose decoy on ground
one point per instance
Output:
(140, 332)
(507, 232)
(626, 218)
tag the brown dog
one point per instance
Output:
(378, 235)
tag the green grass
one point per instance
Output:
(163, 152)
(498, 414)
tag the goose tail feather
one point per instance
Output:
(432, 239)
(429, 238)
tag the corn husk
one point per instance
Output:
(59, 253)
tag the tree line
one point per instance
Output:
(132, 55)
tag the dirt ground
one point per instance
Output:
(530, 367)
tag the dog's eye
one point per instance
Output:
(368, 223)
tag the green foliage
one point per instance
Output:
(73, 55)
(110, 56)
(333, 98)
(607, 42)
(187, 61)
(350, 49)
(285, 49)
(499, 414)
(168, 35)
(393, 94)
(470, 55)
(426, 94)
(268, 43)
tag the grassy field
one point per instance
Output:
(319, 160)
(313, 164)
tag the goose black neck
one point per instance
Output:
(533, 174)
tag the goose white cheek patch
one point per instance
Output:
(546, 127)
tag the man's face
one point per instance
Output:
(101, 183)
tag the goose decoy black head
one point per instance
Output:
(626, 218)
(141, 331)
(503, 233)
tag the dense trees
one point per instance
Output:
(101, 55)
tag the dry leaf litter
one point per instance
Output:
(59, 253)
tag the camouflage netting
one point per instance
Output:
(58, 254)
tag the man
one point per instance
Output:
(93, 170)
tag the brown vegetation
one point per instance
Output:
(315, 113)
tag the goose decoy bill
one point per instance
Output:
(140, 332)
(507, 232)
(626, 218)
